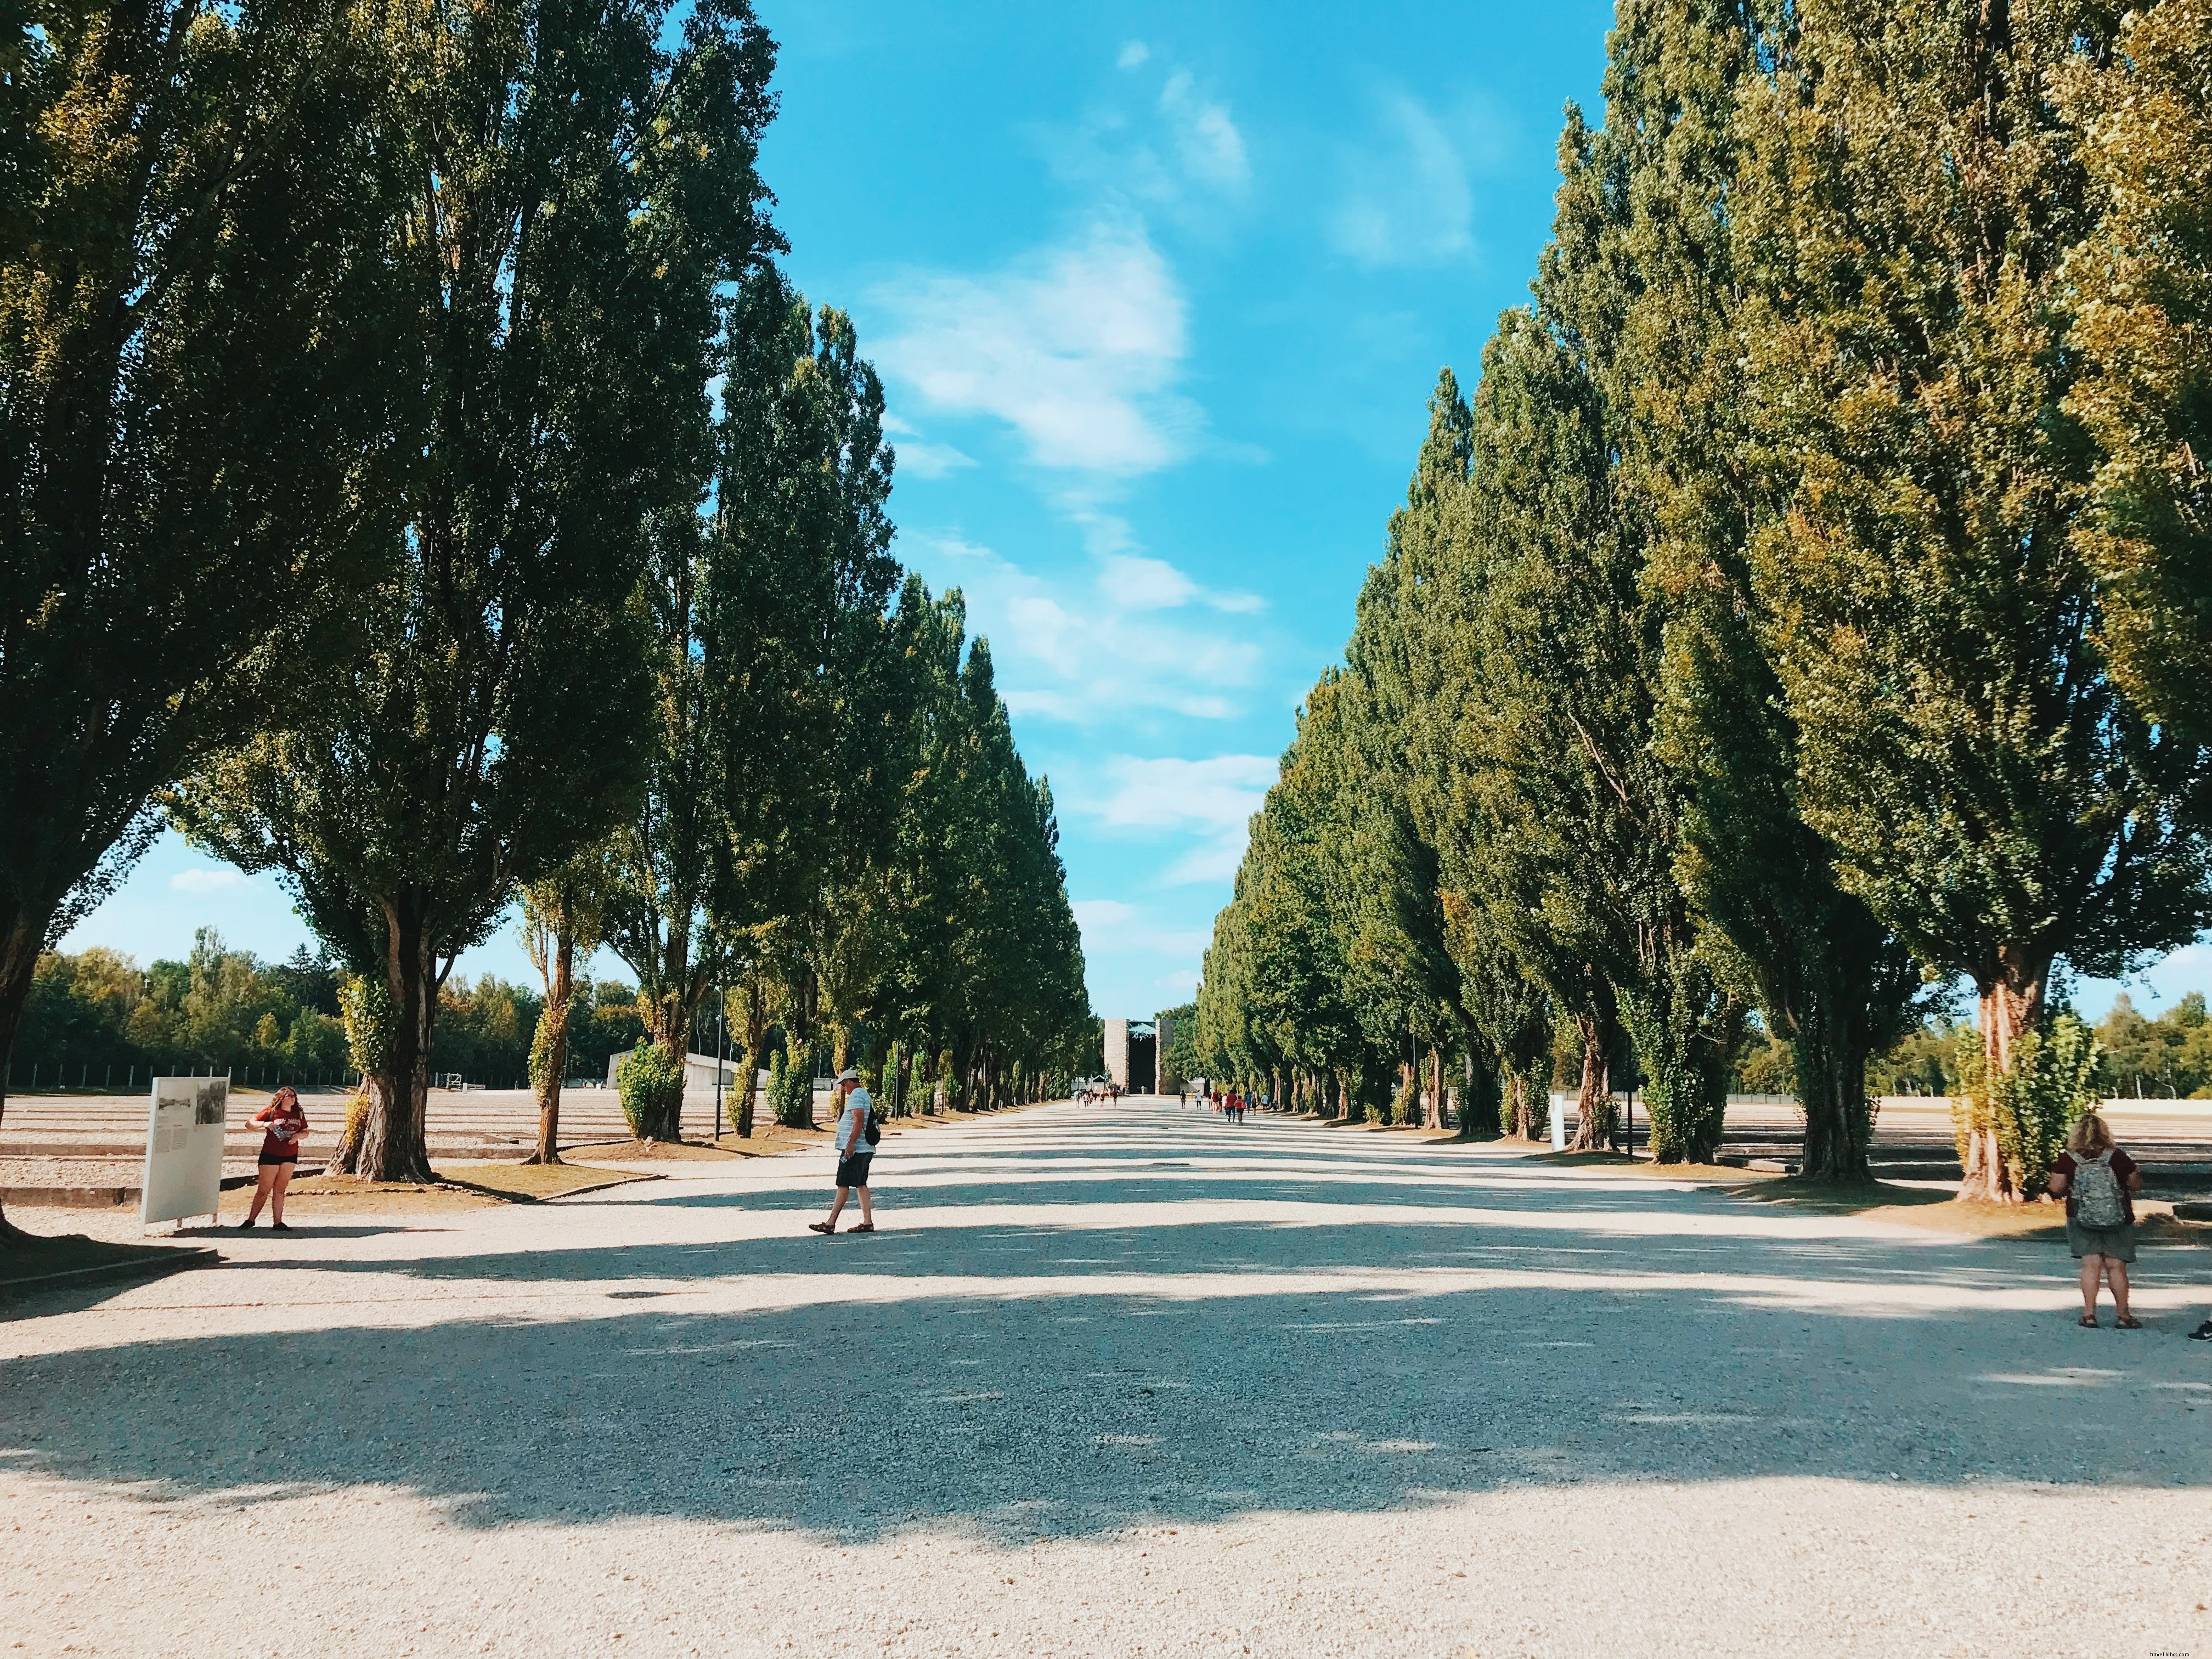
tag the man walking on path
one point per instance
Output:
(855, 1148)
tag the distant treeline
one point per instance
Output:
(97, 1018)
(2169, 1058)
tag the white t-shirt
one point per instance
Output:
(851, 1141)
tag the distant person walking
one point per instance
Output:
(857, 1135)
(284, 1123)
(2099, 1181)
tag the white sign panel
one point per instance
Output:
(184, 1148)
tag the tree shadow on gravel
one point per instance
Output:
(1039, 1410)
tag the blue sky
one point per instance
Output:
(1158, 293)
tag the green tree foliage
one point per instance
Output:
(2029, 1107)
(95, 1018)
(425, 480)
(974, 948)
(580, 190)
(563, 915)
(1764, 631)
(792, 657)
(192, 307)
(652, 1085)
(1907, 203)
(2169, 1057)
(2143, 283)
(1179, 1059)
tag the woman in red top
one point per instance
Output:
(280, 1155)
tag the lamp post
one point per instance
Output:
(721, 1050)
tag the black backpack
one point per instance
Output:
(874, 1130)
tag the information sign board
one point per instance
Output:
(184, 1148)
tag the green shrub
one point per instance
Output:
(2031, 1106)
(365, 1007)
(652, 1088)
(791, 1088)
(1406, 1105)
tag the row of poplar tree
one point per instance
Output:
(422, 482)
(1813, 604)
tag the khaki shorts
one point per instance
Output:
(2117, 1243)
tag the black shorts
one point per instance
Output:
(853, 1172)
(289, 1155)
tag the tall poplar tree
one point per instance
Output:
(791, 631)
(584, 186)
(193, 300)
(1903, 213)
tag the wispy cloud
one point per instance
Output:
(1103, 645)
(209, 879)
(1077, 348)
(1100, 914)
(918, 459)
(1211, 148)
(1210, 799)
(1111, 926)
(1407, 194)
(1182, 156)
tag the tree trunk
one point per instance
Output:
(346, 1160)
(2009, 1006)
(1434, 1117)
(672, 1035)
(19, 965)
(756, 1040)
(1831, 1067)
(1594, 1106)
(555, 1060)
(391, 1143)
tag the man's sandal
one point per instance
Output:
(820, 1227)
(862, 1227)
(2127, 1322)
(2089, 1321)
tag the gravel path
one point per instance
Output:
(1128, 1383)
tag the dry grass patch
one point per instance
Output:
(662, 1151)
(532, 1182)
(327, 1195)
(770, 1139)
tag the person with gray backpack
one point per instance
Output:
(2098, 1183)
(859, 1133)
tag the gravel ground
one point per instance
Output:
(1136, 1382)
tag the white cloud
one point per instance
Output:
(1108, 650)
(921, 460)
(1207, 801)
(1407, 198)
(1148, 583)
(1131, 55)
(1211, 148)
(1100, 914)
(1077, 348)
(213, 879)
(1111, 927)
(1217, 792)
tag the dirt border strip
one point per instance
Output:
(169, 1261)
(596, 1187)
(448, 1183)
